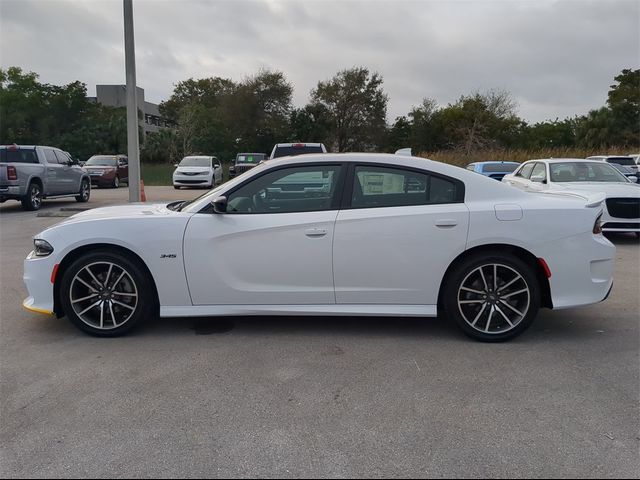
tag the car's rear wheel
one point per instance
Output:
(85, 192)
(492, 297)
(106, 294)
(33, 198)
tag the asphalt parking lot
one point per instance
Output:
(315, 397)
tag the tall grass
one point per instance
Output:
(454, 157)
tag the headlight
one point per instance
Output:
(42, 248)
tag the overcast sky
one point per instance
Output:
(557, 58)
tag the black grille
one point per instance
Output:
(624, 207)
(243, 168)
(626, 226)
(194, 182)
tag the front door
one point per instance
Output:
(274, 244)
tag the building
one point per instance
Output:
(116, 96)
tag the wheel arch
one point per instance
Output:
(90, 248)
(519, 252)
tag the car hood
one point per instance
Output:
(608, 188)
(134, 210)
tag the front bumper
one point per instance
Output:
(37, 278)
(192, 180)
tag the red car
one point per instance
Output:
(108, 170)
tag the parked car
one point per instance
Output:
(631, 175)
(244, 162)
(636, 157)
(291, 149)
(487, 255)
(625, 160)
(622, 209)
(495, 170)
(108, 170)
(197, 171)
(30, 173)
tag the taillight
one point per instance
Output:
(298, 145)
(597, 227)
(12, 174)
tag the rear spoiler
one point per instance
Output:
(593, 200)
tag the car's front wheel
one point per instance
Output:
(106, 293)
(492, 297)
(116, 182)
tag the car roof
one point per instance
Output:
(562, 160)
(310, 144)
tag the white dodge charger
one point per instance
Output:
(329, 234)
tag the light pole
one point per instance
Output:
(133, 147)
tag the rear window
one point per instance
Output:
(500, 167)
(20, 155)
(296, 150)
(621, 160)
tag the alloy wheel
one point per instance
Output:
(493, 298)
(103, 295)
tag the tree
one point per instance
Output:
(624, 102)
(310, 124)
(356, 106)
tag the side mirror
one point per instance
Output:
(220, 205)
(217, 165)
(538, 179)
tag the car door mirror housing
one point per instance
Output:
(220, 205)
(538, 179)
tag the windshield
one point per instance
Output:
(195, 162)
(225, 186)
(584, 172)
(499, 167)
(621, 160)
(102, 160)
(250, 157)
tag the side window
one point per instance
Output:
(394, 187)
(63, 158)
(50, 156)
(525, 171)
(294, 189)
(539, 172)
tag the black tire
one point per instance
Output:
(135, 280)
(177, 187)
(475, 274)
(85, 192)
(116, 182)
(33, 199)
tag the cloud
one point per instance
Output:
(557, 58)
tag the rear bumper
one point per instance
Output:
(581, 270)
(8, 192)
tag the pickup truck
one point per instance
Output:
(31, 173)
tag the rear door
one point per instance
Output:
(123, 169)
(397, 236)
(54, 184)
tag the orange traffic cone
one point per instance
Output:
(143, 197)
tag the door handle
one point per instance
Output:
(446, 222)
(315, 232)
(51, 169)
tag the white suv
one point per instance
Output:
(291, 149)
(197, 171)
